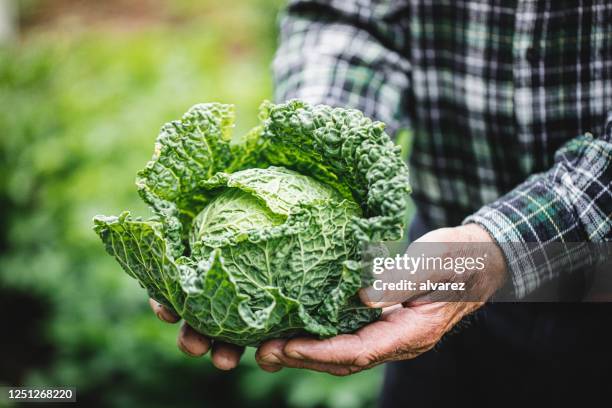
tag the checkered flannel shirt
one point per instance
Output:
(507, 102)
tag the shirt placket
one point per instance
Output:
(524, 107)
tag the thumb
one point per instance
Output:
(380, 296)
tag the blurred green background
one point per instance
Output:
(84, 88)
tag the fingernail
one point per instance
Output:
(271, 368)
(270, 359)
(376, 305)
(158, 310)
(182, 347)
(294, 354)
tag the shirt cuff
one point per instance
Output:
(528, 224)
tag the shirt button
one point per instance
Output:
(531, 55)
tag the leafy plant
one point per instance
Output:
(245, 250)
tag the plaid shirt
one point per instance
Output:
(507, 102)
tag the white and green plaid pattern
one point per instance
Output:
(507, 101)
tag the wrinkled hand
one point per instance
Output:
(404, 331)
(224, 356)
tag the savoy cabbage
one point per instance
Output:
(261, 238)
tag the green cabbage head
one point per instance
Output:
(261, 237)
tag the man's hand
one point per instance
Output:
(224, 356)
(404, 331)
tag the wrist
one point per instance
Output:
(496, 267)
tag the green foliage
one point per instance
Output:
(78, 114)
(275, 253)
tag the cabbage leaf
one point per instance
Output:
(261, 237)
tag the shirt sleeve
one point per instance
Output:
(347, 53)
(570, 203)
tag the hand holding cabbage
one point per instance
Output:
(261, 238)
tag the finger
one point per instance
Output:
(271, 358)
(418, 327)
(346, 349)
(267, 354)
(226, 356)
(372, 344)
(393, 287)
(402, 333)
(405, 281)
(270, 368)
(191, 342)
(162, 312)
(391, 309)
(374, 298)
